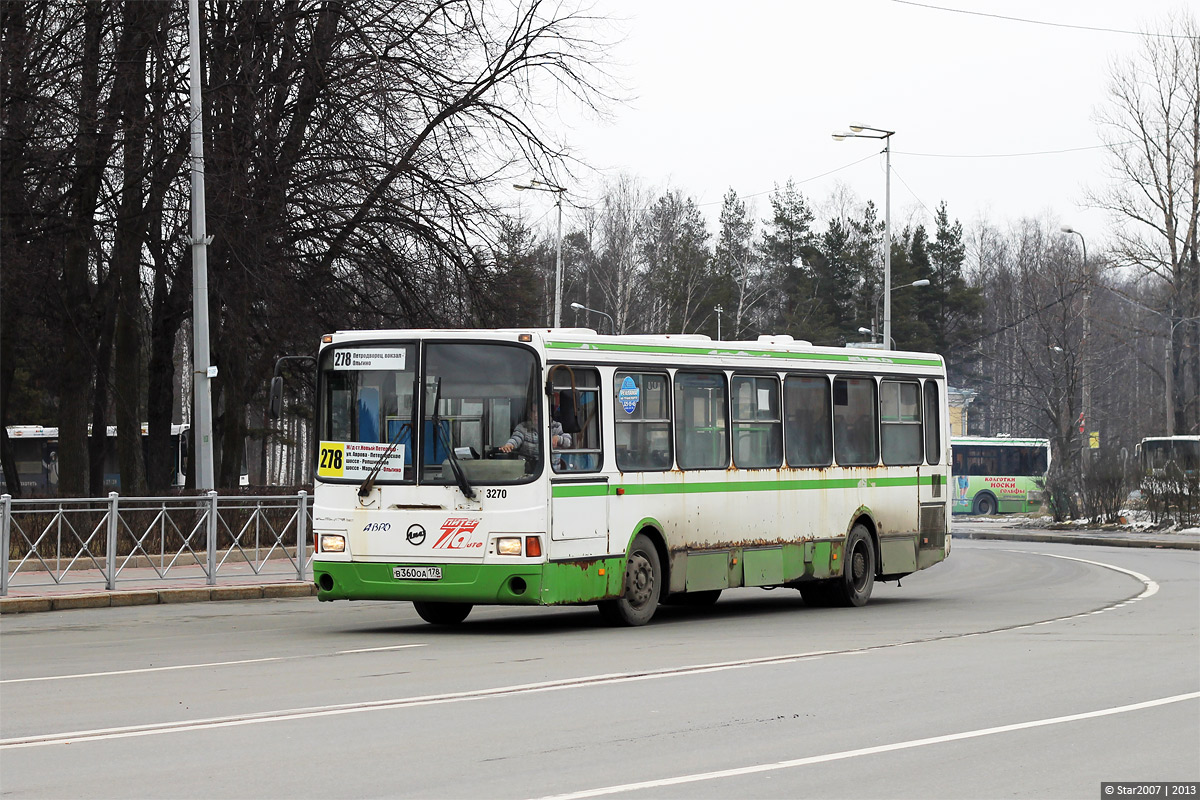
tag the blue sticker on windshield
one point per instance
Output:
(629, 394)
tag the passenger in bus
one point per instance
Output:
(526, 437)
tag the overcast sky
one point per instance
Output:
(746, 94)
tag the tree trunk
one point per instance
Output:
(76, 368)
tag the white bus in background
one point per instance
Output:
(692, 466)
(35, 450)
(1156, 453)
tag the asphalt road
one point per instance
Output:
(1012, 670)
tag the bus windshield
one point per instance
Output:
(475, 395)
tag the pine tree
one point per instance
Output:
(789, 253)
(950, 307)
(678, 262)
(737, 267)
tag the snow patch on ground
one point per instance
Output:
(1135, 520)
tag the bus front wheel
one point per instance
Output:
(985, 505)
(442, 613)
(643, 586)
(858, 570)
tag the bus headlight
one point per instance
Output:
(509, 546)
(331, 543)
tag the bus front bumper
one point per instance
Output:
(480, 584)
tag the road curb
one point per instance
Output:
(67, 602)
(1050, 538)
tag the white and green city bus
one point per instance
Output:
(688, 466)
(999, 474)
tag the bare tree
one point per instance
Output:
(621, 269)
(1152, 129)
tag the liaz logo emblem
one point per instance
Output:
(458, 534)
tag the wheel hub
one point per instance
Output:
(641, 580)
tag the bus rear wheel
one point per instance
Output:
(985, 505)
(442, 613)
(643, 587)
(858, 570)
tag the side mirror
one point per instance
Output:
(275, 404)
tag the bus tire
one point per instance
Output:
(442, 613)
(985, 505)
(642, 587)
(858, 570)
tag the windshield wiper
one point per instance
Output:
(369, 483)
(463, 483)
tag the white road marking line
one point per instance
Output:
(866, 751)
(200, 666)
(378, 649)
(400, 702)
(147, 669)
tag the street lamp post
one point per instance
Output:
(888, 340)
(582, 307)
(202, 371)
(1085, 388)
(718, 309)
(542, 186)
(856, 132)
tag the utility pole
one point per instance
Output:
(1084, 370)
(202, 372)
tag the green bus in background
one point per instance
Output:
(998, 474)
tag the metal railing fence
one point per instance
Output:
(69, 542)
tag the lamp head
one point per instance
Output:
(858, 128)
(838, 137)
(922, 282)
(864, 330)
(577, 306)
(1067, 229)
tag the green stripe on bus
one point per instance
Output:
(720, 351)
(715, 487)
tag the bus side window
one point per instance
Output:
(757, 432)
(576, 391)
(809, 418)
(855, 422)
(700, 421)
(642, 406)
(933, 424)
(900, 434)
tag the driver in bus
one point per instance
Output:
(526, 436)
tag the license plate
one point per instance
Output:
(417, 573)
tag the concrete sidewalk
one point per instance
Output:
(139, 586)
(35, 591)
